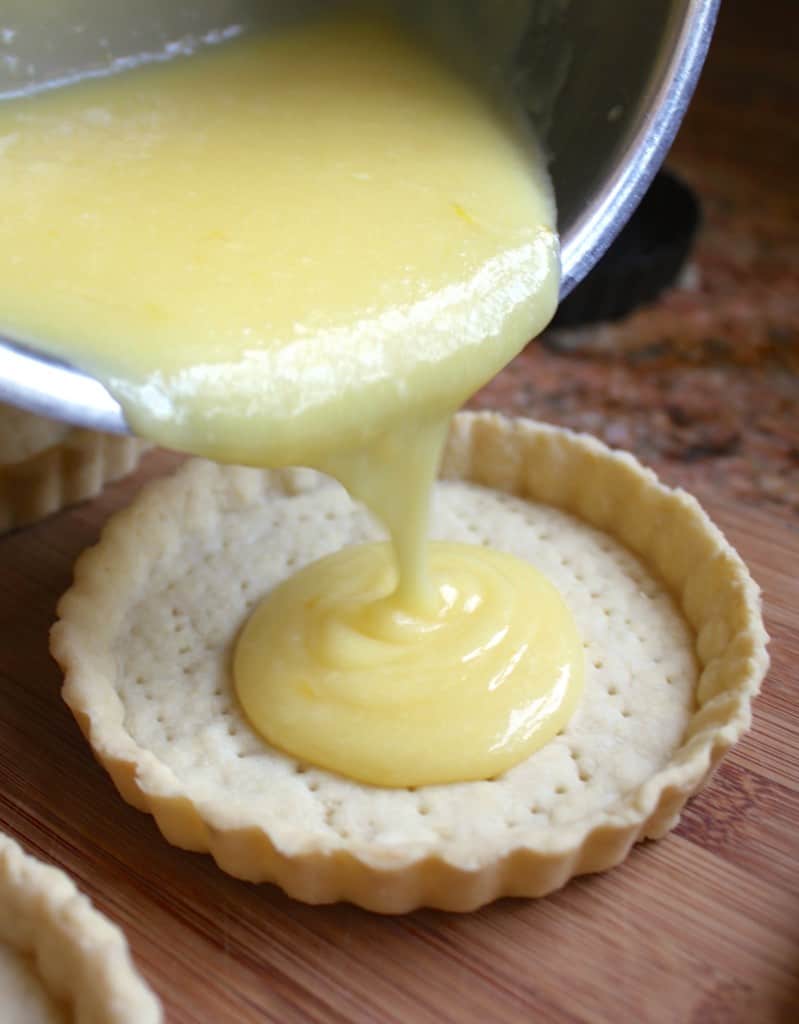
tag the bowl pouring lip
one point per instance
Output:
(639, 160)
(52, 388)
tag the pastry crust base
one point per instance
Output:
(81, 958)
(74, 467)
(666, 529)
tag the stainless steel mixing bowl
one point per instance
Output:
(608, 82)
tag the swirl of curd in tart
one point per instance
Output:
(340, 673)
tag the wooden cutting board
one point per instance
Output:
(702, 926)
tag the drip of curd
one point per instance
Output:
(310, 248)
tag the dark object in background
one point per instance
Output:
(645, 259)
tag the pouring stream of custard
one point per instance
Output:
(310, 248)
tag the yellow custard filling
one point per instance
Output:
(280, 247)
(337, 671)
(310, 248)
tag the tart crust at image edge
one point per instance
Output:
(81, 958)
(72, 470)
(610, 491)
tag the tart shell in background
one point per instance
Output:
(46, 466)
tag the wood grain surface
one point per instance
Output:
(702, 926)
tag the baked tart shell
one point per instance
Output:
(611, 492)
(72, 469)
(81, 958)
